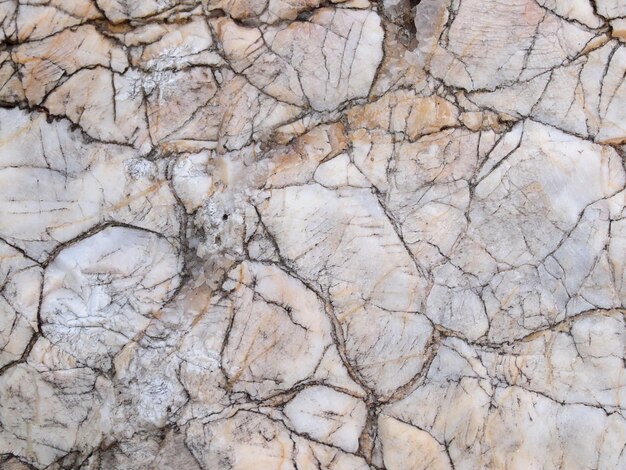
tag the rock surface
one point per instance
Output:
(294, 234)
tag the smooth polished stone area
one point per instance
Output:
(313, 235)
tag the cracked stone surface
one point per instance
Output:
(305, 234)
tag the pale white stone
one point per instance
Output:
(617, 247)
(372, 152)
(118, 11)
(618, 27)
(559, 198)
(332, 371)
(452, 405)
(260, 345)
(298, 162)
(101, 291)
(55, 185)
(310, 455)
(180, 46)
(45, 62)
(578, 10)
(338, 172)
(245, 441)
(37, 20)
(611, 8)
(103, 103)
(590, 351)
(53, 405)
(392, 295)
(455, 302)
(200, 370)
(247, 50)
(584, 97)
(21, 280)
(554, 428)
(192, 181)
(502, 42)
(294, 234)
(344, 67)
(405, 113)
(406, 447)
(328, 416)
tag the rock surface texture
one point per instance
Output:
(306, 234)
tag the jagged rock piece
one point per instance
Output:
(37, 20)
(246, 440)
(11, 88)
(406, 447)
(230, 120)
(610, 8)
(260, 345)
(392, 297)
(335, 54)
(404, 113)
(174, 47)
(329, 416)
(589, 347)
(452, 405)
(46, 64)
(584, 97)
(55, 185)
(20, 281)
(53, 407)
(490, 43)
(297, 162)
(192, 180)
(119, 11)
(100, 292)
(539, 187)
(577, 10)
(175, 98)
(107, 105)
(618, 29)
(247, 51)
(340, 172)
(8, 11)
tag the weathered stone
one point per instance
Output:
(295, 234)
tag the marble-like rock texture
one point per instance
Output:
(305, 234)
